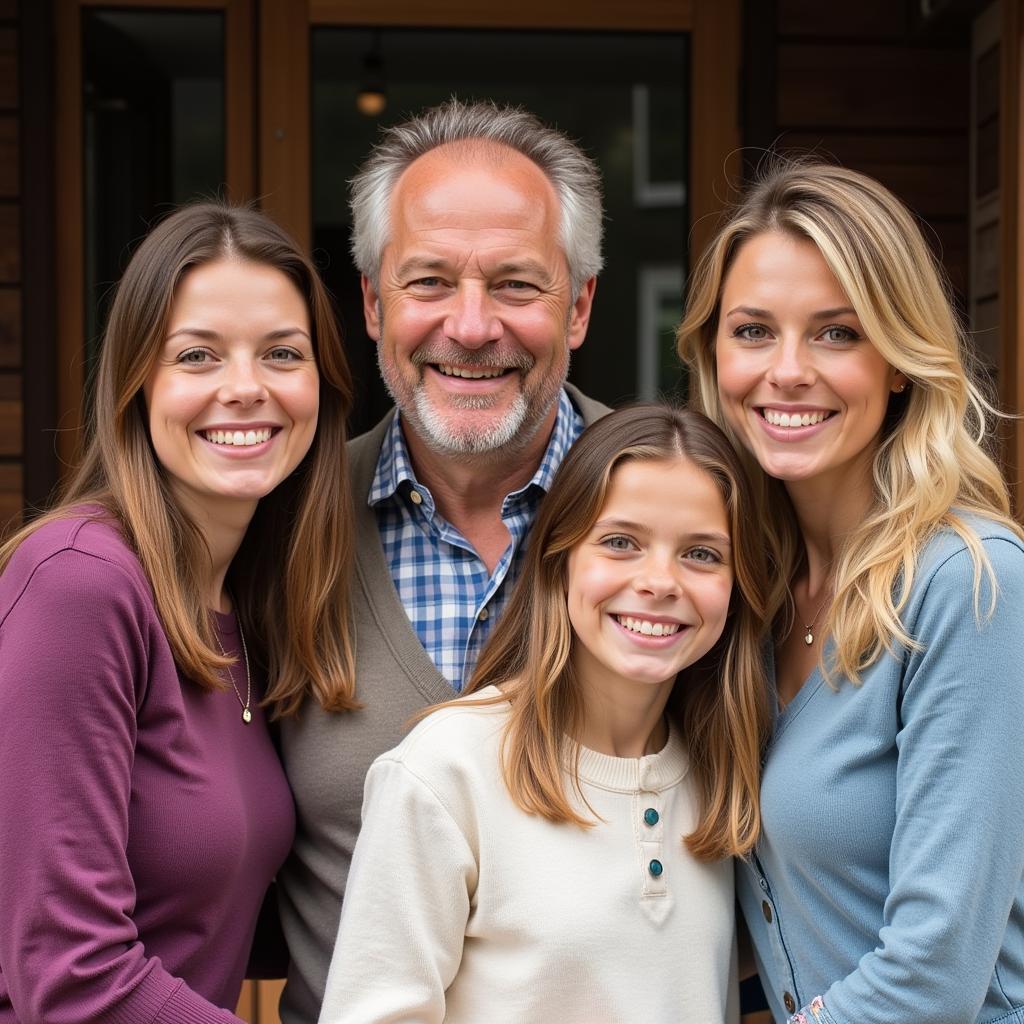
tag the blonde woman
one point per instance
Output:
(887, 883)
(190, 585)
(558, 845)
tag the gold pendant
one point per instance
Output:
(808, 637)
(246, 715)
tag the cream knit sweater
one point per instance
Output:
(461, 908)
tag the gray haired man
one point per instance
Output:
(478, 234)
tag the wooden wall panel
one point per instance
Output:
(898, 161)
(11, 424)
(10, 244)
(9, 156)
(8, 69)
(862, 85)
(866, 18)
(10, 327)
(10, 497)
(850, 87)
(10, 414)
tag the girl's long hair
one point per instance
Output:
(720, 704)
(290, 575)
(934, 463)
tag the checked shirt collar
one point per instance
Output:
(451, 600)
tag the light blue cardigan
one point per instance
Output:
(889, 879)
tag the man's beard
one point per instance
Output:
(507, 436)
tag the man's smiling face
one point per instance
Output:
(473, 312)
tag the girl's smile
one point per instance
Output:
(648, 588)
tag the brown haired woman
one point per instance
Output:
(200, 550)
(522, 854)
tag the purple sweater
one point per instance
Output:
(140, 819)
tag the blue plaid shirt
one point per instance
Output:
(451, 600)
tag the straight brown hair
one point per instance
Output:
(290, 576)
(720, 704)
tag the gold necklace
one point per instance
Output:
(809, 628)
(246, 713)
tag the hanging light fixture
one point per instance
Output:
(372, 97)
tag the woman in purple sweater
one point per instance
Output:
(201, 550)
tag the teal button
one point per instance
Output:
(651, 816)
(655, 868)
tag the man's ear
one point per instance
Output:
(371, 308)
(580, 318)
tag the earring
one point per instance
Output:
(900, 388)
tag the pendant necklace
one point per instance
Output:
(809, 628)
(246, 713)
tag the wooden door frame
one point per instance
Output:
(69, 211)
(714, 27)
(1011, 199)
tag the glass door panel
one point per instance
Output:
(624, 96)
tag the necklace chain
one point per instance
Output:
(246, 712)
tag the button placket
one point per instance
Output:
(771, 918)
(651, 830)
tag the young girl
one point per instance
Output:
(557, 846)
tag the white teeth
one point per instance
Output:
(456, 371)
(795, 419)
(240, 438)
(647, 627)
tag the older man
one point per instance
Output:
(478, 235)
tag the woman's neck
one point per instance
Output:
(222, 525)
(827, 512)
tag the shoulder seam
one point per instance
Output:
(53, 554)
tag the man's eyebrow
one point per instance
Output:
(509, 268)
(415, 263)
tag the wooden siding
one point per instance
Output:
(11, 446)
(862, 84)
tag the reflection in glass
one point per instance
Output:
(585, 84)
(153, 132)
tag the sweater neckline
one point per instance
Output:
(652, 772)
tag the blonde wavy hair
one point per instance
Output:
(934, 465)
(720, 703)
(290, 575)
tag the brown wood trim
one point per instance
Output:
(284, 116)
(38, 309)
(210, 5)
(714, 120)
(1011, 143)
(239, 107)
(639, 16)
(69, 235)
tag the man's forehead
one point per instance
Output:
(442, 174)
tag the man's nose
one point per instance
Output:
(472, 319)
